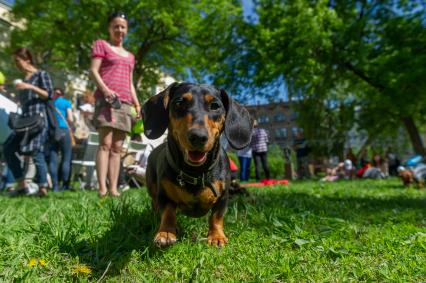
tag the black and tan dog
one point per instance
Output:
(190, 171)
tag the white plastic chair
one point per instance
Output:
(87, 162)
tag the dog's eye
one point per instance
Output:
(180, 103)
(214, 106)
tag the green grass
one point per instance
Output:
(307, 231)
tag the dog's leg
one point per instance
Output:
(216, 235)
(166, 234)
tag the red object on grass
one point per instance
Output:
(267, 182)
(232, 165)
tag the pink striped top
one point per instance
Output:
(115, 70)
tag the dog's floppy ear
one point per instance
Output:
(238, 123)
(155, 113)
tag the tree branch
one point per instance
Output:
(359, 73)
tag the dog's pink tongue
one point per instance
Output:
(196, 156)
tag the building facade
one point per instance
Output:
(279, 119)
(6, 26)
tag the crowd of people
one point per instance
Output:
(113, 110)
(351, 167)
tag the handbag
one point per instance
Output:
(81, 131)
(26, 127)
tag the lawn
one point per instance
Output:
(305, 231)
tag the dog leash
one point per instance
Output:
(185, 178)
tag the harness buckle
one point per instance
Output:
(180, 179)
(183, 178)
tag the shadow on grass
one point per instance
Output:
(357, 209)
(131, 231)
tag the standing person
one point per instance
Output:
(259, 146)
(393, 162)
(244, 157)
(112, 70)
(64, 117)
(34, 91)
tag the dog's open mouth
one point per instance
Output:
(196, 157)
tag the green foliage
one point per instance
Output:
(276, 161)
(371, 52)
(167, 36)
(304, 231)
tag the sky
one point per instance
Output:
(9, 2)
(248, 9)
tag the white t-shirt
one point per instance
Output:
(245, 152)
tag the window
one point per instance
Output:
(263, 119)
(280, 117)
(296, 131)
(294, 115)
(281, 133)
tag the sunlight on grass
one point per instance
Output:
(306, 231)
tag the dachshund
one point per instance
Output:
(190, 171)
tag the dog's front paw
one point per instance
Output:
(163, 239)
(217, 239)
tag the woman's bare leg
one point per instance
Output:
(114, 160)
(102, 158)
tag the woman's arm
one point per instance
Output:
(135, 98)
(70, 118)
(41, 92)
(94, 72)
(44, 89)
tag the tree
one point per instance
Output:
(375, 48)
(165, 36)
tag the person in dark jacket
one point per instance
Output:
(34, 91)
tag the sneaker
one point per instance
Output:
(124, 188)
(33, 188)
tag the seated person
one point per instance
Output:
(364, 167)
(420, 174)
(334, 174)
(406, 175)
(373, 173)
(138, 169)
(349, 169)
(414, 175)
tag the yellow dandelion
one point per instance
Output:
(32, 262)
(82, 269)
(42, 262)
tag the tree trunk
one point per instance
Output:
(415, 138)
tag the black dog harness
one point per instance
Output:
(200, 181)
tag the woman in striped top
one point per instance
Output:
(112, 70)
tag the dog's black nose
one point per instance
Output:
(198, 137)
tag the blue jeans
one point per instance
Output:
(64, 147)
(7, 180)
(244, 168)
(11, 148)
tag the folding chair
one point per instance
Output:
(87, 162)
